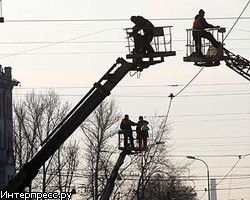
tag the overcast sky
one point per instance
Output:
(69, 44)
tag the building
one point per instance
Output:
(7, 169)
(213, 189)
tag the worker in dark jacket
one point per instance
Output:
(199, 26)
(142, 42)
(126, 127)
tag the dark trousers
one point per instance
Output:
(142, 138)
(142, 43)
(197, 35)
(128, 136)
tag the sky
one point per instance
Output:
(68, 45)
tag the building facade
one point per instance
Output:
(7, 169)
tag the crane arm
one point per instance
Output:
(238, 64)
(70, 123)
(114, 174)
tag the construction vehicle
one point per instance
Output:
(162, 43)
(83, 109)
(213, 56)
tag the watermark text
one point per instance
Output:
(35, 195)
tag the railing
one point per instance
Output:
(162, 38)
(205, 45)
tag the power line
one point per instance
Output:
(138, 86)
(60, 42)
(75, 53)
(211, 137)
(237, 20)
(183, 96)
(100, 41)
(214, 145)
(113, 19)
(239, 158)
(231, 188)
(207, 156)
(156, 95)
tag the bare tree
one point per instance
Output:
(141, 175)
(168, 187)
(65, 166)
(34, 118)
(148, 165)
(98, 129)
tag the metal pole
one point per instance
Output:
(142, 178)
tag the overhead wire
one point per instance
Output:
(171, 96)
(55, 43)
(204, 66)
(239, 158)
(237, 20)
(202, 195)
(233, 167)
(60, 42)
(112, 19)
(103, 41)
(141, 86)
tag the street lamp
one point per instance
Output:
(208, 185)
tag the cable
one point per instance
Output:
(206, 156)
(138, 86)
(190, 82)
(112, 20)
(226, 175)
(171, 99)
(60, 42)
(104, 41)
(203, 195)
(239, 158)
(236, 20)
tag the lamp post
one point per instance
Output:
(208, 185)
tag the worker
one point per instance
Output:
(199, 26)
(142, 42)
(142, 132)
(126, 127)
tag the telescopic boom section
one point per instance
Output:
(71, 122)
(113, 176)
(238, 64)
(86, 106)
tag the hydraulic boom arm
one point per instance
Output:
(238, 64)
(111, 181)
(79, 113)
